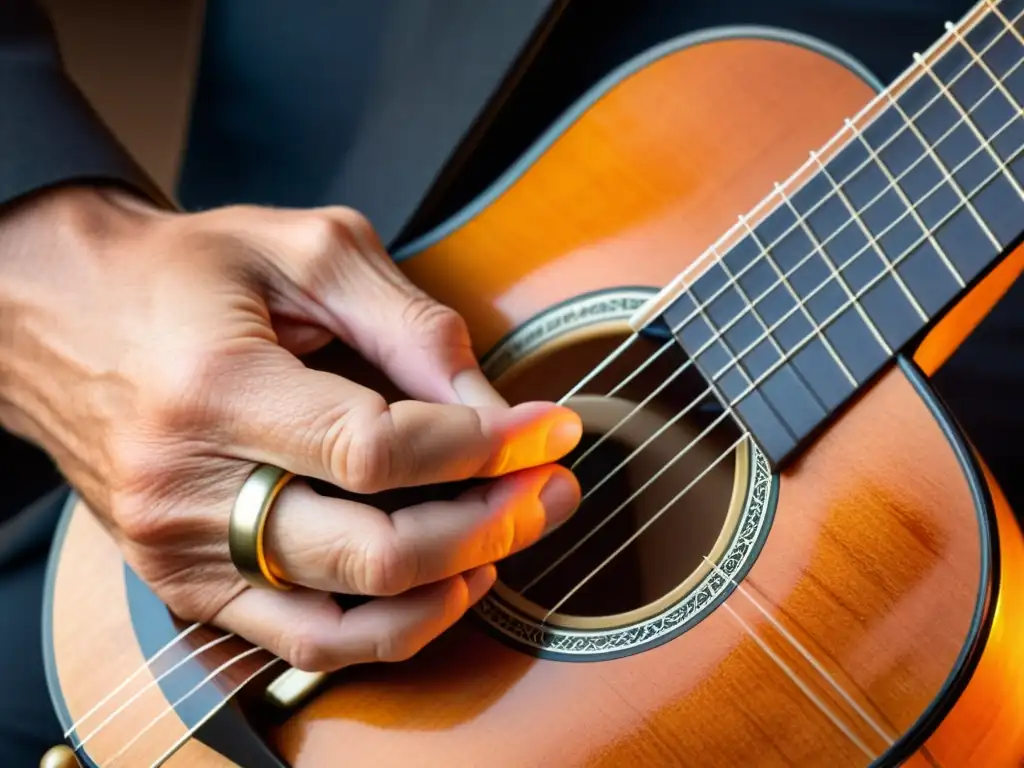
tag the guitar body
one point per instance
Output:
(867, 604)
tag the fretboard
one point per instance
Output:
(886, 228)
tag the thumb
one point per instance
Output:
(423, 346)
(428, 352)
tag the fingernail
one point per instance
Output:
(472, 388)
(563, 436)
(560, 497)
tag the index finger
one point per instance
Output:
(316, 424)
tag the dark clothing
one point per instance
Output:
(390, 107)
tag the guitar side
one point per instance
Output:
(890, 549)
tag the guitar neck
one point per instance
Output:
(869, 242)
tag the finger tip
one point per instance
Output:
(534, 434)
(560, 497)
(563, 436)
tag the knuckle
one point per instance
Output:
(436, 323)
(385, 567)
(354, 222)
(304, 649)
(362, 448)
(330, 241)
(499, 539)
(326, 235)
(392, 648)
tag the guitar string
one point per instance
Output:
(181, 699)
(763, 646)
(1001, 168)
(815, 333)
(807, 655)
(181, 636)
(654, 518)
(827, 711)
(658, 514)
(980, 186)
(909, 125)
(733, 277)
(763, 256)
(155, 681)
(606, 362)
(838, 137)
(737, 359)
(626, 502)
(213, 711)
(636, 451)
(799, 683)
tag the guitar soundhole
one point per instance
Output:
(638, 542)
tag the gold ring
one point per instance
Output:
(248, 521)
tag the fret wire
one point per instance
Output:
(803, 342)
(887, 262)
(732, 230)
(949, 131)
(816, 334)
(771, 337)
(1001, 86)
(730, 406)
(911, 208)
(953, 183)
(1006, 23)
(984, 65)
(811, 336)
(720, 338)
(885, 231)
(970, 124)
(830, 263)
(771, 262)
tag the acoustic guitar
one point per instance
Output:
(788, 553)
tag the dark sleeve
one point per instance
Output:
(49, 135)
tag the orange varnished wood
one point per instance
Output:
(653, 174)
(964, 317)
(872, 564)
(986, 727)
(96, 650)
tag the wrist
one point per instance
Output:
(53, 246)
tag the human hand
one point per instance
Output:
(155, 356)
